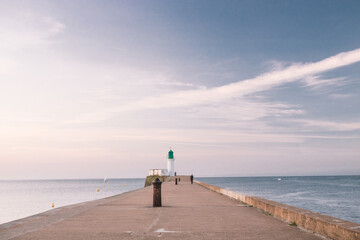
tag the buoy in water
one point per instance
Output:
(52, 205)
(98, 190)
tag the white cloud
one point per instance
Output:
(317, 82)
(341, 96)
(243, 88)
(234, 103)
(23, 29)
(161, 79)
(319, 125)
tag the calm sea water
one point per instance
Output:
(337, 196)
(20, 199)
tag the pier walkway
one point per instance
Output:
(188, 212)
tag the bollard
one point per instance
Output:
(157, 193)
(179, 179)
(175, 181)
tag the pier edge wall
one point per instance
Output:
(323, 225)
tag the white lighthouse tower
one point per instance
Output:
(170, 163)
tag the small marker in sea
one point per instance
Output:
(52, 205)
(98, 189)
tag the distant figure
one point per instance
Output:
(179, 179)
(175, 181)
(192, 179)
(175, 174)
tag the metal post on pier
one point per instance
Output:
(175, 181)
(157, 193)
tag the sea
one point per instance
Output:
(337, 196)
(23, 198)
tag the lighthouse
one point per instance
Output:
(170, 163)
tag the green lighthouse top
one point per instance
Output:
(171, 154)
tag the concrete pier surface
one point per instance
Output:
(189, 211)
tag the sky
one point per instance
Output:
(94, 89)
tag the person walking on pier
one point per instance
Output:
(191, 178)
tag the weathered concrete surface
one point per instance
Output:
(324, 225)
(188, 212)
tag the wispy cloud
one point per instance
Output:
(317, 82)
(25, 29)
(319, 125)
(246, 87)
(232, 104)
(341, 96)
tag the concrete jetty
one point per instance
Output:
(188, 212)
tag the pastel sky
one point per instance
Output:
(93, 89)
